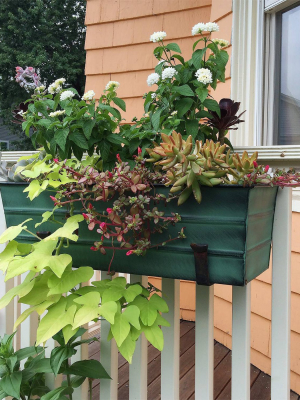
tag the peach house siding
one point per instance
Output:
(118, 48)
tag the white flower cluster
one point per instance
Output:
(169, 72)
(208, 27)
(221, 42)
(152, 79)
(57, 113)
(204, 75)
(88, 95)
(153, 96)
(56, 86)
(112, 85)
(174, 112)
(40, 88)
(67, 95)
(157, 36)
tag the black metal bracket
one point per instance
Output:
(201, 264)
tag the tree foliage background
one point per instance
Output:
(48, 35)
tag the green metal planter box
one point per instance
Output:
(230, 233)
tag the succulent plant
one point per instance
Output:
(188, 167)
(226, 119)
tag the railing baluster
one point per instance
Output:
(204, 343)
(281, 296)
(170, 355)
(109, 359)
(138, 368)
(241, 312)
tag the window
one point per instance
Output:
(288, 130)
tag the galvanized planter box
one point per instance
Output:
(234, 224)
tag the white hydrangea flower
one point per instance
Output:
(153, 96)
(174, 112)
(40, 88)
(57, 113)
(21, 112)
(54, 88)
(146, 115)
(60, 81)
(169, 72)
(211, 27)
(88, 95)
(152, 79)
(198, 28)
(221, 42)
(204, 75)
(67, 95)
(157, 36)
(112, 84)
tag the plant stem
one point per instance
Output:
(69, 380)
(91, 388)
(32, 234)
(58, 248)
(221, 136)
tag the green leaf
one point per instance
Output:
(59, 263)
(155, 336)
(11, 384)
(56, 318)
(28, 352)
(46, 215)
(181, 59)
(120, 103)
(202, 94)
(148, 313)
(91, 299)
(57, 394)
(161, 321)
(173, 47)
(78, 138)
(120, 329)
(59, 355)
(89, 368)
(127, 348)
(155, 119)
(212, 105)
(159, 303)
(84, 315)
(132, 292)
(184, 90)
(195, 44)
(132, 315)
(35, 189)
(13, 231)
(192, 126)
(87, 127)
(60, 138)
(108, 311)
(183, 105)
(112, 110)
(203, 114)
(7, 255)
(113, 294)
(69, 332)
(69, 279)
(44, 122)
(67, 230)
(104, 147)
(116, 139)
(22, 289)
(197, 57)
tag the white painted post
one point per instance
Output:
(138, 368)
(204, 343)
(109, 359)
(82, 392)
(170, 355)
(281, 296)
(241, 312)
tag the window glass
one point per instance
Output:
(289, 102)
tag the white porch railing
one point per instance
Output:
(204, 339)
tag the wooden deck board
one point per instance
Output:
(260, 382)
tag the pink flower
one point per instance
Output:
(139, 150)
(56, 160)
(129, 253)
(267, 168)
(103, 225)
(90, 206)
(85, 216)
(53, 198)
(110, 175)
(94, 248)
(109, 210)
(118, 157)
(255, 164)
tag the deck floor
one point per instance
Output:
(260, 382)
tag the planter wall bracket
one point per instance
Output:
(201, 264)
